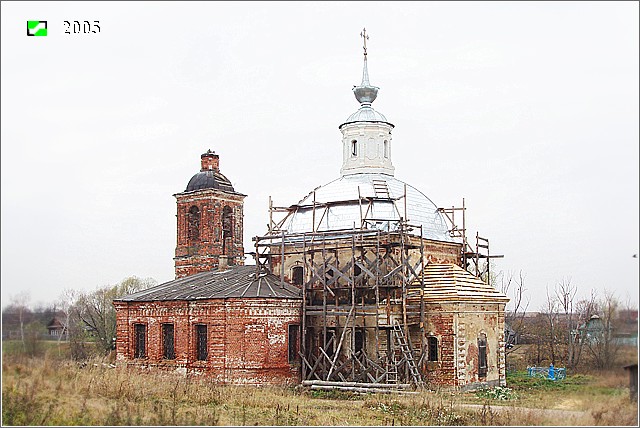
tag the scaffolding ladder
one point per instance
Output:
(401, 339)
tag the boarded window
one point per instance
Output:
(432, 343)
(193, 223)
(298, 275)
(294, 334)
(201, 341)
(168, 349)
(359, 343)
(482, 355)
(140, 341)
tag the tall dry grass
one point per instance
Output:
(50, 391)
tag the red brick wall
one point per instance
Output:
(203, 254)
(247, 338)
(440, 323)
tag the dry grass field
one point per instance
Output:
(51, 390)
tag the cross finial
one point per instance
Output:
(364, 36)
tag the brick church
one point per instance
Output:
(364, 281)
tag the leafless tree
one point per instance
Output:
(95, 309)
(566, 293)
(584, 309)
(515, 289)
(20, 302)
(550, 312)
(66, 302)
(601, 340)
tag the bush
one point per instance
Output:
(498, 393)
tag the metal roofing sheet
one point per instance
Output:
(235, 282)
(344, 211)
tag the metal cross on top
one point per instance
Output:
(363, 34)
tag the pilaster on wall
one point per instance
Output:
(502, 361)
(461, 342)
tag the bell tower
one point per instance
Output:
(209, 215)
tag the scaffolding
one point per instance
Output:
(363, 308)
(470, 257)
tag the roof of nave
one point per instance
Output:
(449, 282)
(234, 282)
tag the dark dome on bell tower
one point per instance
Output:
(209, 176)
(210, 221)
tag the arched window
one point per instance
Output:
(298, 275)
(193, 223)
(227, 222)
(354, 148)
(432, 343)
(386, 149)
(482, 355)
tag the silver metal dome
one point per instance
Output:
(366, 114)
(338, 207)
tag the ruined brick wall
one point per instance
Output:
(248, 339)
(440, 323)
(202, 254)
(458, 326)
(434, 252)
(474, 319)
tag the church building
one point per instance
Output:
(364, 281)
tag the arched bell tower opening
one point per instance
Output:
(210, 217)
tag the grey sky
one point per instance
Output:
(527, 110)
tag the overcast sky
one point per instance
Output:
(529, 111)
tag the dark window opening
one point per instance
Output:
(432, 343)
(482, 355)
(201, 334)
(298, 275)
(294, 334)
(193, 223)
(227, 227)
(356, 270)
(354, 148)
(140, 341)
(168, 349)
(359, 343)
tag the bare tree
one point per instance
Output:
(96, 311)
(550, 312)
(66, 302)
(600, 339)
(566, 293)
(584, 309)
(514, 317)
(20, 302)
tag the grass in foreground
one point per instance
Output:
(46, 391)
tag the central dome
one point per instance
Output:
(383, 203)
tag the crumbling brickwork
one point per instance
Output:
(458, 327)
(201, 254)
(209, 221)
(248, 340)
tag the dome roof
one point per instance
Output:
(366, 114)
(343, 209)
(210, 179)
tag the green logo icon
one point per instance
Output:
(36, 28)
